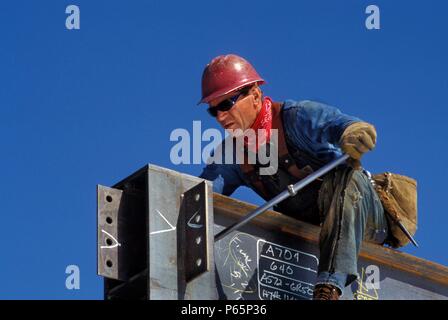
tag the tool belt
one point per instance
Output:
(398, 195)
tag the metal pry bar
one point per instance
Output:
(282, 196)
(406, 232)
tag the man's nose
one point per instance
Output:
(221, 115)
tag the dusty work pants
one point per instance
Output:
(351, 212)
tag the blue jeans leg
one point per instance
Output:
(351, 212)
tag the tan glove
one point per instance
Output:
(357, 139)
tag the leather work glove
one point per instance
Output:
(357, 139)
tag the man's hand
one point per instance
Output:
(357, 139)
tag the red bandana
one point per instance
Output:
(263, 122)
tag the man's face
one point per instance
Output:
(241, 116)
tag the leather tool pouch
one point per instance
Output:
(398, 195)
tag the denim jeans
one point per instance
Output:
(351, 212)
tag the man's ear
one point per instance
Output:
(256, 92)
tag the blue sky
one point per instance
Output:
(91, 106)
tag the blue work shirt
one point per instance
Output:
(309, 126)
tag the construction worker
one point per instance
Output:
(310, 134)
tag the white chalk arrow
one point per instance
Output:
(171, 228)
(194, 225)
(113, 239)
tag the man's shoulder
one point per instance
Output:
(304, 110)
(303, 105)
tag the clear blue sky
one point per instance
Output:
(90, 106)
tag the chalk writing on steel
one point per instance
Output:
(114, 242)
(171, 227)
(284, 273)
(240, 265)
(195, 216)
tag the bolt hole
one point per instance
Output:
(108, 198)
(109, 263)
(197, 197)
(109, 220)
(109, 242)
(198, 262)
(197, 219)
(198, 240)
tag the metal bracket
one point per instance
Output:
(193, 244)
(109, 200)
(121, 234)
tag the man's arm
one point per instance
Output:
(322, 123)
(317, 126)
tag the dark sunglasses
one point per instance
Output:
(227, 104)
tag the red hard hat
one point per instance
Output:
(225, 74)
